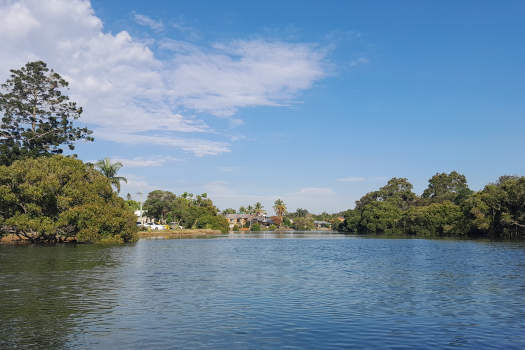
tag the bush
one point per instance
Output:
(214, 222)
(56, 199)
(255, 227)
(236, 228)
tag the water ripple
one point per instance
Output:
(323, 292)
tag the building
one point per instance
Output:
(246, 220)
(322, 225)
(142, 218)
(238, 219)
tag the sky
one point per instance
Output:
(314, 102)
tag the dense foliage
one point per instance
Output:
(37, 118)
(446, 208)
(184, 210)
(56, 199)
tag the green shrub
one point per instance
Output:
(53, 199)
(214, 222)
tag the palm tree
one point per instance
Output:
(110, 170)
(258, 209)
(280, 208)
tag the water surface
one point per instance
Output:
(265, 291)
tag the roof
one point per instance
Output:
(263, 220)
(322, 222)
(238, 216)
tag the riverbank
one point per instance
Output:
(14, 239)
(187, 233)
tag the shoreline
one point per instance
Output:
(202, 233)
(170, 234)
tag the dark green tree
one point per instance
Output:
(214, 222)
(37, 117)
(499, 209)
(380, 217)
(301, 213)
(436, 219)
(159, 203)
(228, 211)
(442, 187)
(54, 199)
(303, 223)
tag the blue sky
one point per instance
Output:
(314, 102)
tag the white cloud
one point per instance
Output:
(351, 179)
(229, 76)
(142, 162)
(197, 146)
(131, 96)
(148, 22)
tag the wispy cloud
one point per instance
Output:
(143, 20)
(227, 76)
(188, 32)
(132, 96)
(351, 179)
(143, 162)
(197, 146)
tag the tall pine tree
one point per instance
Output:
(37, 117)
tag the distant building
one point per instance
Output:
(244, 220)
(142, 218)
(238, 219)
(322, 225)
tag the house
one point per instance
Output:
(238, 219)
(322, 225)
(246, 220)
(142, 218)
(263, 221)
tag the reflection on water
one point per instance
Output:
(254, 291)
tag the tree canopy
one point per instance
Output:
(185, 210)
(443, 187)
(37, 117)
(55, 199)
(446, 208)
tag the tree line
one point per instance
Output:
(447, 207)
(47, 197)
(184, 210)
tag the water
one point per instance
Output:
(297, 292)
